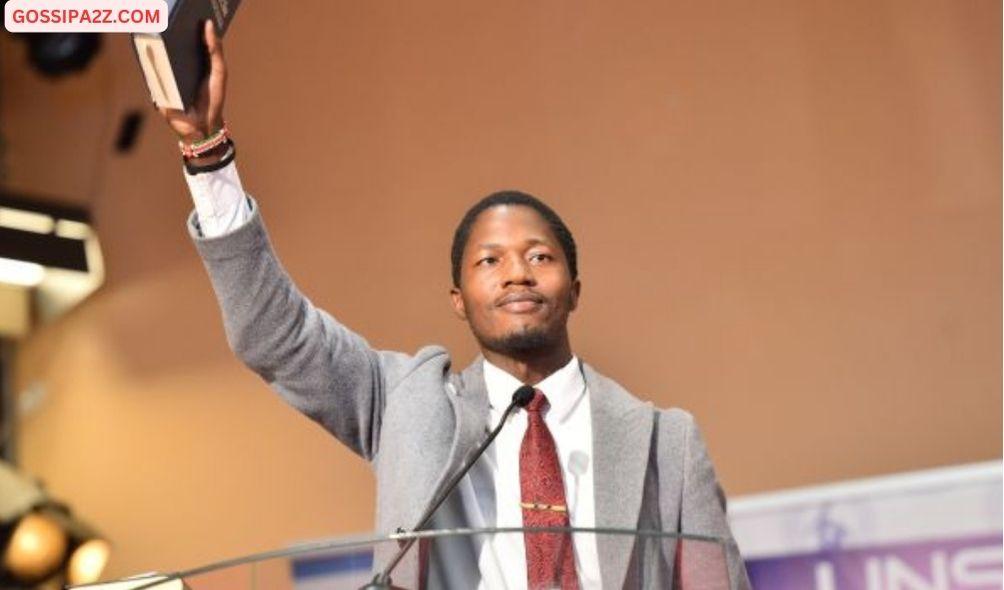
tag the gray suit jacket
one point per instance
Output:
(414, 419)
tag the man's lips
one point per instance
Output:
(520, 302)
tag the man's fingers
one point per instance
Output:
(175, 117)
(213, 42)
(209, 33)
(169, 113)
(214, 45)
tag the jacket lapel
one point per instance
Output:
(622, 434)
(469, 397)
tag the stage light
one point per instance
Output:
(36, 550)
(88, 561)
(41, 540)
(39, 223)
(50, 261)
(20, 273)
(88, 552)
(73, 230)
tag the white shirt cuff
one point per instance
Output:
(220, 203)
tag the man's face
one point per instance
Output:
(515, 287)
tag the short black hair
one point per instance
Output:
(497, 199)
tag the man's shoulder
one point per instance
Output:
(429, 363)
(675, 417)
(609, 386)
(671, 419)
(606, 387)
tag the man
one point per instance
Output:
(583, 453)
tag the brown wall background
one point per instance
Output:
(789, 217)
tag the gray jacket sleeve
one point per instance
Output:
(703, 509)
(319, 366)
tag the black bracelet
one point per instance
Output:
(194, 169)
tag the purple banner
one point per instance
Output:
(953, 564)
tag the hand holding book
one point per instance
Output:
(205, 116)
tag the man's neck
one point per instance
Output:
(531, 368)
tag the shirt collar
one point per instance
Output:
(563, 387)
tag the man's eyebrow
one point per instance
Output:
(529, 242)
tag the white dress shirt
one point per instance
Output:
(503, 557)
(491, 490)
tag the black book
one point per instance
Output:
(174, 62)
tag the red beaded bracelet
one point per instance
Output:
(197, 148)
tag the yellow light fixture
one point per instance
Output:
(41, 540)
(88, 561)
(36, 548)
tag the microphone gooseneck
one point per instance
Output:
(520, 398)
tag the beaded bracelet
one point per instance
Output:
(192, 168)
(197, 148)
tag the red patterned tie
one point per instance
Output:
(550, 560)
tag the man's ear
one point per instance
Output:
(574, 295)
(458, 304)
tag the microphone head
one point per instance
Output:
(578, 463)
(522, 396)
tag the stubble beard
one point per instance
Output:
(520, 342)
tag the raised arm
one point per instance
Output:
(323, 369)
(318, 365)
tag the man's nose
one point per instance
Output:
(518, 272)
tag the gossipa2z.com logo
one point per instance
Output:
(85, 16)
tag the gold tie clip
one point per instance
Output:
(539, 506)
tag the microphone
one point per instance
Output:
(520, 398)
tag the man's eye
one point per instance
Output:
(540, 257)
(487, 260)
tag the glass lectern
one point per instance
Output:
(456, 558)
